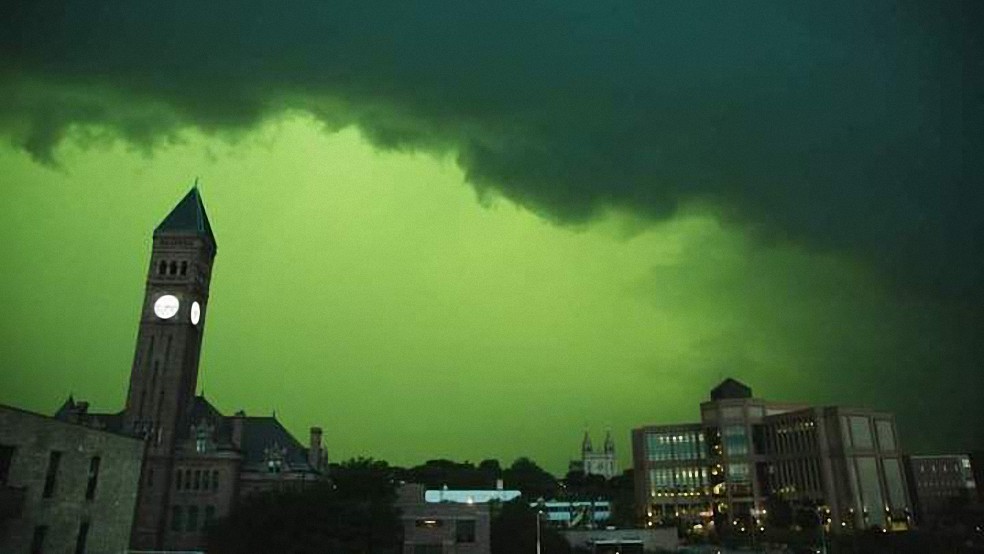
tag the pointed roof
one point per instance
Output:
(188, 217)
(730, 388)
(586, 443)
(609, 442)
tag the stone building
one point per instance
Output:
(845, 463)
(596, 462)
(198, 461)
(65, 487)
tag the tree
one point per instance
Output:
(530, 479)
(514, 531)
(351, 513)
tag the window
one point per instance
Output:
(173, 269)
(37, 541)
(192, 518)
(81, 537)
(175, 518)
(6, 459)
(215, 479)
(184, 268)
(162, 268)
(464, 530)
(735, 440)
(861, 432)
(177, 480)
(197, 484)
(886, 436)
(49, 480)
(428, 549)
(429, 523)
(209, 514)
(90, 487)
(187, 479)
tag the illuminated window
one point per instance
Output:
(429, 523)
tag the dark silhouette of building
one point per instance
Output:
(65, 487)
(198, 461)
(940, 485)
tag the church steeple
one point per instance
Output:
(586, 444)
(609, 442)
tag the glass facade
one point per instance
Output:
(687, 479)
(675, 446)
(872, 503)
(895, 484)
(735, 439)
(886, 435)
(861, 432)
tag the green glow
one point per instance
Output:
(371, 293)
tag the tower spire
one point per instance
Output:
(586, 443)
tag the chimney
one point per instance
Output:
(314, 448)
(237, 429)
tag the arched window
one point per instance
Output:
(173, 268)
(162, 268)
(184, 268)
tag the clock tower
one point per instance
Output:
(164, 374)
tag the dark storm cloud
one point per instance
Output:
(848, 125)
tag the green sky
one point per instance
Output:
(375, 294)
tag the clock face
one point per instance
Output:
(166, 306)
(196, 313)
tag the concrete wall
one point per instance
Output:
(111, 510)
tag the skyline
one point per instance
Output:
(586, 213)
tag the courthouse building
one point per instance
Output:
(845, 463)
(198, 461)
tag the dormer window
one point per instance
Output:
(273, 456)
(202, 433)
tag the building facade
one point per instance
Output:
(746, 452)
(198, 461)
(596, 462)
(940, 484)
(64, 487)
(457, 524)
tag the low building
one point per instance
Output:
(576, 513)
(65, 487)
(622, 541)
(940, 484)
(443, 527)
(844, 463)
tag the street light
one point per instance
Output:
(539, 510)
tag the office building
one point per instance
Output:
(844, 463)
(939, 485)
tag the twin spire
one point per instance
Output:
(609, 443)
